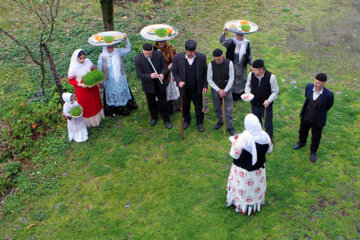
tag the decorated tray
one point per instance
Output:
(247, 97)
(238, 26)
(78, 110)
(159, 32)
(106, 38)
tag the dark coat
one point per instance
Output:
(178, 70)
(144, 70)
(326, 102)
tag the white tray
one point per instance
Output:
(237, 29)
(94, 42)
(148, 32)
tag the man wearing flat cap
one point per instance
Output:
(220, 77)
(152, 81)
(318, 100)
(189, 70)
(264, 86)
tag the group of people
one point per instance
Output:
(166, 74)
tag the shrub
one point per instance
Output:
(11, 169)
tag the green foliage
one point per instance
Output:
(93, 77)
(161, 32)
(109, 39)
(11, 169)
(76, 111)
(245, 28)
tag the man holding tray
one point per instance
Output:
(151, 68)
(220, 77)
(263, 85)
(189, 70)
(313, 114)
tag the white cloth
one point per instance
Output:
(77, 69)
(316, 94)
(243, 44)
(76, 126)
(190, 60)
(172, 91)
(247, 139)
(115, 58)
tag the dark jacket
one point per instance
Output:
(178, 70)
(144, 70)
(326, 102)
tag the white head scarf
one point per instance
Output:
(242, 44)
(252, 134)
(116, 62)
(67, 99)
(77, 69)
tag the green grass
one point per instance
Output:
(132, 181)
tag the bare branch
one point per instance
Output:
(23, 45)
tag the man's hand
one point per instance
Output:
(266, 103)
(154, 75)
(181, 84)
(204, 91)
(161, 77)
(222, 93)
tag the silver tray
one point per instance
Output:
(237, 29)
(148, 32)
(94, 42)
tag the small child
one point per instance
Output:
(76, 126)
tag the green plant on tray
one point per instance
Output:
(94, 77)
(245, 28)
(76, 111)
(161, 32)
(109, 39)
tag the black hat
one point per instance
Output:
(190, 45)
(147, 46)
(217, 52)
(258, 63)
(321, 77)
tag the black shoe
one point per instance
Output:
(201, 128)
(168, 125)
(298, 145)
(153, 122)
(231, 131)
(186, 124)
(313, 157)
(218, 125)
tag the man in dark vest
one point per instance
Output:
(189, 70)
(318, 100)
(152, 81)
(264, 86)
(220, 77)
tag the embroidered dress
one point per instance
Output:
(88, 98)
(118, 98)
(76, 126)
(246, 186)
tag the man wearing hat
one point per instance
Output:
(264, 86)
(220, 76)
(152, 81)
(189, 70)
(318, 100)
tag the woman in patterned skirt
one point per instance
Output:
(246, 185)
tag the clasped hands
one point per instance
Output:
(159, 76)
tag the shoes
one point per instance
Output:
(201, 128)
(218, 125)
(153, 122)
(168, 125)
(231, 131)
(313, 157)
(186, 124)
(298, 145)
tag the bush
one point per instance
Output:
(11, 169)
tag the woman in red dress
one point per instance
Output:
(88, 98)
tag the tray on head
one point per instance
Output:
(118, 37)
(148, 32)
(235, 26)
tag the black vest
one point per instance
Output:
(220, 73)
(245, 159)
(191, 81)
(261, 92)
(311, 109)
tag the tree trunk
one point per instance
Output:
(107, 9)
(42, 68)
(53, 69)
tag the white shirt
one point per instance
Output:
(273, 83)
(317, 94)
(212, 83)
(190, 60)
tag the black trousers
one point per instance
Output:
(163, 105)
(315, 134)
(192, 95)
(259, 112)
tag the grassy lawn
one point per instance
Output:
(130, 181)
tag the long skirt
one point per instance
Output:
(246, 190)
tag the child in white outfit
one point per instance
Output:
(76, 126)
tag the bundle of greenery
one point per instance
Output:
(161, 32)
(93, 77)
(245, 28)
(109, 39)
(76, 111)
